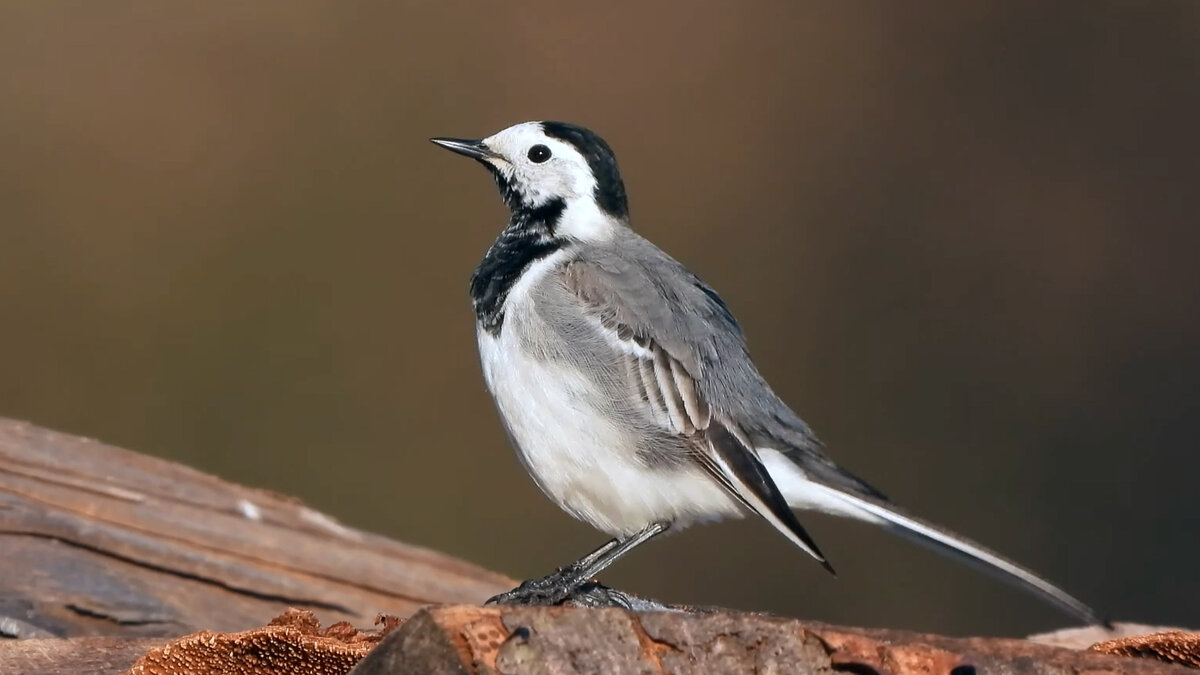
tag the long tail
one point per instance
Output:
(803, 492)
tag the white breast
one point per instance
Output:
(584, 461)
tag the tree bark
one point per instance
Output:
(575, 641)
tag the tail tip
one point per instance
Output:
(828, 567)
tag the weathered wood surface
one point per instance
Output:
(96, 540)
(73, 656)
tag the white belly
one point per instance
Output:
(581, 459)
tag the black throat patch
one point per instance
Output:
(528, 238)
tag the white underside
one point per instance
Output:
(583, 462)
(578, 456)
(586, 464)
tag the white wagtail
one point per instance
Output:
(625, 384)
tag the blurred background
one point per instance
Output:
(962, 239)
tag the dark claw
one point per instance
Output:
(592, 594)
(553, 589)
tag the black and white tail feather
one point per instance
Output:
(802, 490)
(625, 383)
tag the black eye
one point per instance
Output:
(539, 153)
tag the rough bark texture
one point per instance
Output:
(572, 641)
(95, 540)
(293, 643)
(1170, 646)
(575, 641)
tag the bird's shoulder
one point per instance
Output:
(641, 293)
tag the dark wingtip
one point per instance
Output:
(828, 567)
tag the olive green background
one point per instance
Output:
(962, 238)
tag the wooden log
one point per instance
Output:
(575, 641)
(579, 641)
(99, 541)
(96, 540)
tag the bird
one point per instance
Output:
(625, 384)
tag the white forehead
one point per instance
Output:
(515, 142)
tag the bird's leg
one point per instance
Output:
(558, 586)
(594, 564)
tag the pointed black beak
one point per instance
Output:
(469, 148)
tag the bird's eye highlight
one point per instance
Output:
(539, 153)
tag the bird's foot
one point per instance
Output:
(552, 589)
(584, 594)
(595, 594)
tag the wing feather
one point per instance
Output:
(695, 408)
(668, 393)
(654, 397)
(665, 381)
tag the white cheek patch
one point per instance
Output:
(532, 194)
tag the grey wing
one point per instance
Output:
(636, 285)
(696, 380)
(651, 296)
(644, 316)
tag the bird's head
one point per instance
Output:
(553, 166)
